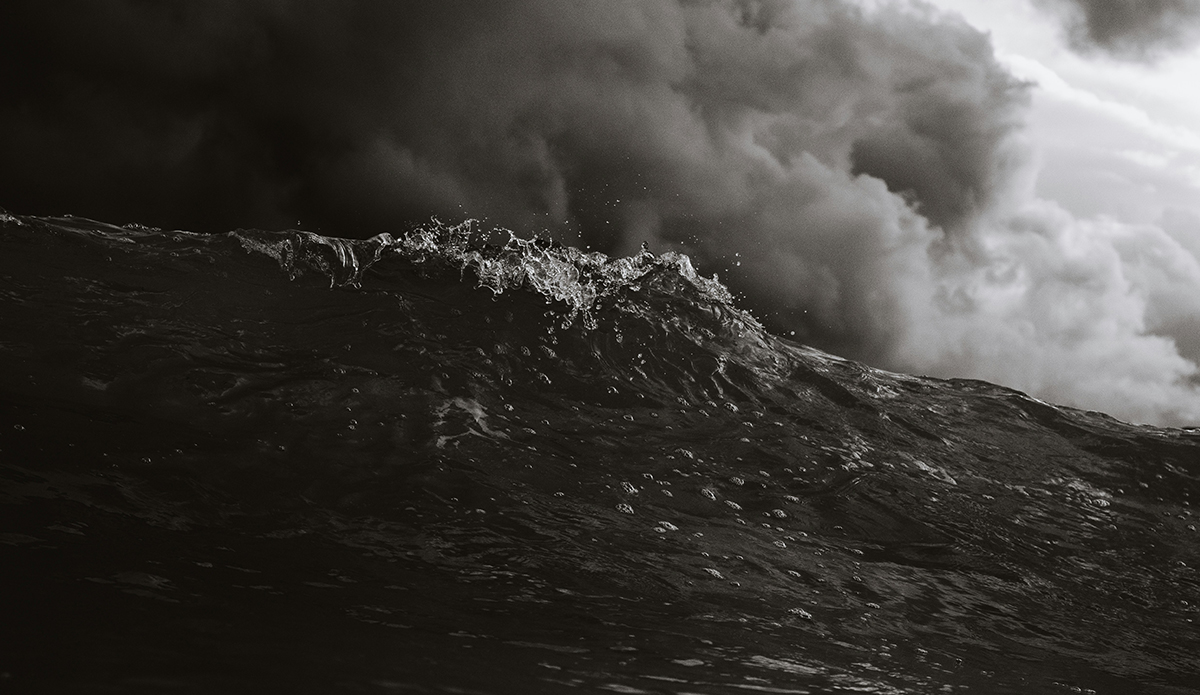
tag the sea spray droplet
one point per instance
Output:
(624, 508)
(714, 573)
(709, 493)
(629, 487)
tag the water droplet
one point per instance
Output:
(709, 493)
(714, 572)
(624, 508)
(629, 487)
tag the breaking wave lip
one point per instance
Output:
(659, 298)
(578, 279)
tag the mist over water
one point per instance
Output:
(437, 462)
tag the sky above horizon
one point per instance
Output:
(1002, 190)
(1116, 135)
(1115, 131)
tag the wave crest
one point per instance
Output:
(580, 280)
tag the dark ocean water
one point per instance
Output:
(274, 461)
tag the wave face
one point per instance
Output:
(439, 462)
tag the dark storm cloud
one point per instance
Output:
(720, 127)
(369, 113)
(194, 114)
(1129, 28)
(856, 172)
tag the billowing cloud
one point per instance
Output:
(1129, 28)
(856, 172)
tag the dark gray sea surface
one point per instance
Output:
(445, 463)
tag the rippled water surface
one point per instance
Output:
(427, 463)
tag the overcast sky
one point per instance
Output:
(1118, 135)
(1003, 189)
(1114, 122)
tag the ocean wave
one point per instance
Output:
(521, 467)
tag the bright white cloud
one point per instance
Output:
(1087, 290)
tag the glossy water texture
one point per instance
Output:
(428, 463)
